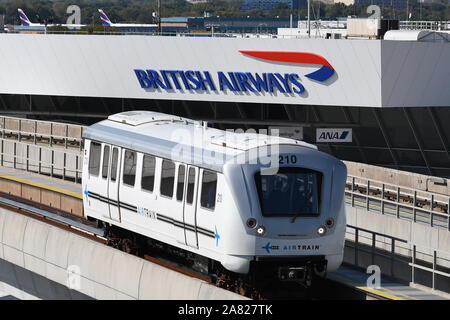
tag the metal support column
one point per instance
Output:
(349, 119)
(419, 143)
(386, 137)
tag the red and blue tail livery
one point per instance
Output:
(323, 74)
(25, 22)
(104, 18)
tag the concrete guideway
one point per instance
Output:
(91, 268)
(56, 269)
(389, 290)
(7, 296)
(42, 181)
(52, 194)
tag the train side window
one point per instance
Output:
(129, 167)
(209, 188)
(167, 178)
(94, 159)
(148, 173)
(105, 162)
(180, 184)
(190, 186)
(115, 160)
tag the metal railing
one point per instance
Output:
(358, 247)
(263, 35)
(150, 33)
(424, 25)
(34, 162)
(433, 270)
(38, 132)
(399, 201)
(392, 255)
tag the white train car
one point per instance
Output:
(208, 192)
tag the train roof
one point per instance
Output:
(179, 139)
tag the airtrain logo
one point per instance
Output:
(290, 247)
(287, 83)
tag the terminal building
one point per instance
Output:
(270, 4)
(248, 24)
(379, 102)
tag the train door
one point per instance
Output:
(95, 187)
(113, 184)
(169, 209)
(101, 185)
(179, 213)
(190, 207)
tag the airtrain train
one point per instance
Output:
(245, 201)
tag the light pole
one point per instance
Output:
(309, 21)
(260, 28)
(159, 16)
(407, 10)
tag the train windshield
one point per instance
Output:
(290, 192)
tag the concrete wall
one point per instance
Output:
(426, 238)
(39, 196)
(401, 178)
(53, 161)
(88, 267)
(23, 284)
(30, 128)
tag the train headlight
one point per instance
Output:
(260, 230)
(321, 230)
(251, 223)
(329, 222)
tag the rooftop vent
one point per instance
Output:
(246, 141)
(136, 118)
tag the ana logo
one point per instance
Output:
(334, 135)
(323, 74)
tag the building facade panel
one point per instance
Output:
(367, 73)
(414, 73)
(104, 66)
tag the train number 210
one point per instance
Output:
(289, 159)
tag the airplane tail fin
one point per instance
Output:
(104, 18)
(25, 22)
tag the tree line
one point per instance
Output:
(140, 11)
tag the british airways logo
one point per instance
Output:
(196, 80)
(299, 57)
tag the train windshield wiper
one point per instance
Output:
(296, 216)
